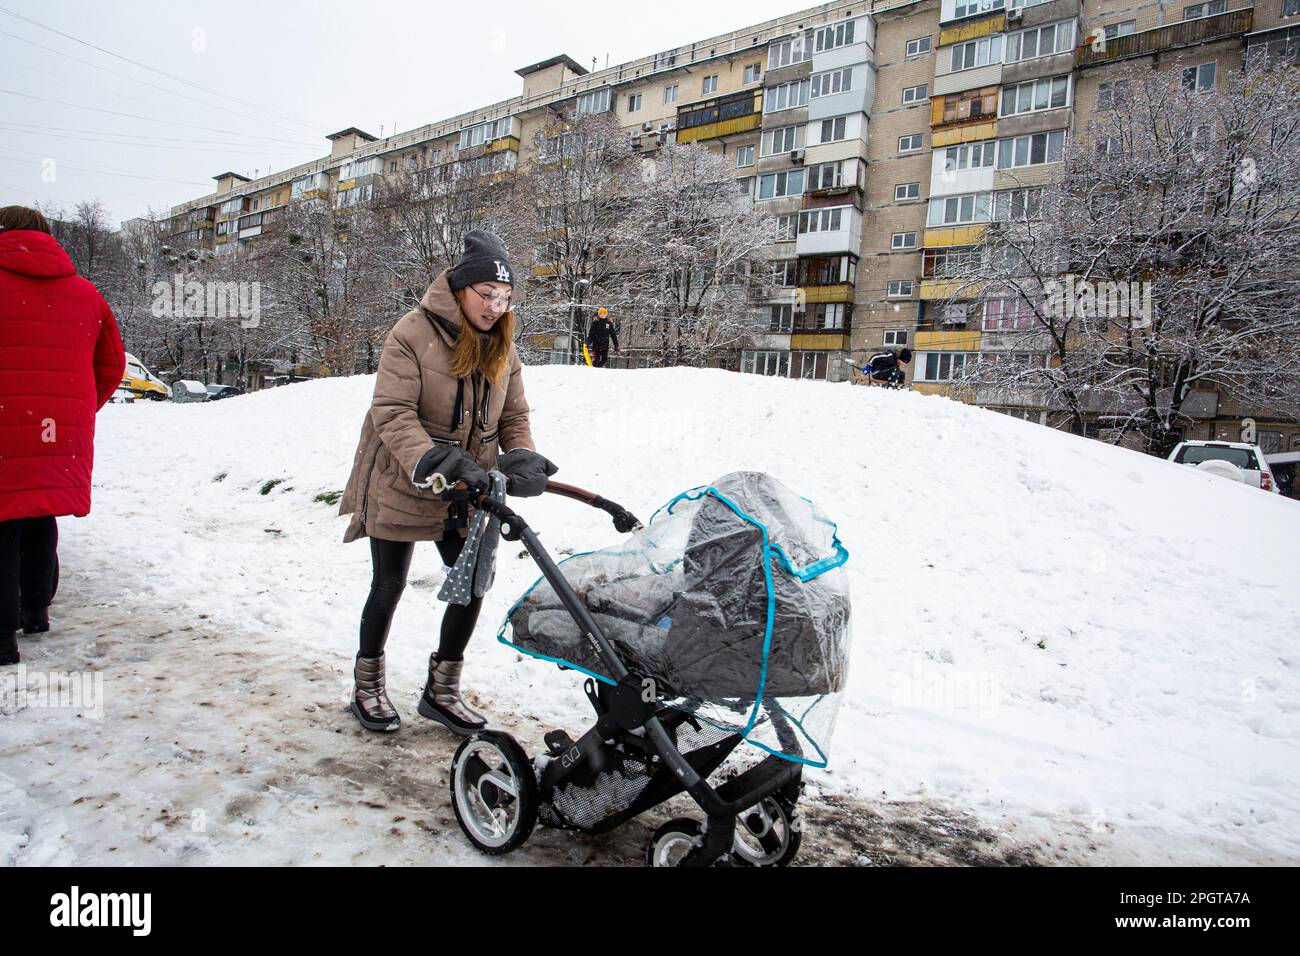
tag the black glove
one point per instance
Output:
(526, 472)
(454, 465)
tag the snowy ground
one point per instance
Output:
(1063, 652)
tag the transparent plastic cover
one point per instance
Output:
(733, 600)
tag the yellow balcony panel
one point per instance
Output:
(221, 240)
(964, 134)
(346, 184)
(946, 389)
(540, 340)
(972, 30)
(504, 143)
(541, 271)
(954, 236)
(939, 289)
(741, 124)
(828, 293)
(955, 341)
(817, 343)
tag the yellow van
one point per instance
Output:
(141, 382)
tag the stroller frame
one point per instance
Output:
(631, 724)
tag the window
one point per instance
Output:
(970, 104)
(1112, 94)
(753, 72)
(907, 191)
(797, 49)
(1035, 95)
(1040, 41)
(1209, 9)
(776, 185)
(829, 38)
(952, 262)
(786, 96)
(822, 220)
(1122, 29)
(968, 8)
(833, 129)
(746, 186)
(973, 53)
(902, 240)
(1032, 150)
(832, 82)
(895, 337)
(392, 166)
(918, 46)
(358, 194)
(911, 143)
(1109, 146)
(807, 364)
(827, 270)
(829, 316)
(1270, 443)
(744, 155)
(411, 162)
(634, 103)
(969, 156)
(1199, 79)
(670, 93)
(1006, 315)
(899, 288)
(785, 272)
(787, 227)
(826, 176)
(362, 167)
(914, 94)
(1018, 204)
(1290, 7)
(782, 319)
(765, 363)
(781, 140)
(940, 366)
(596, 101)
(709, 85)
(959, 210)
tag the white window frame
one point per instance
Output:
(634, 102)
(900, 289)
(1198, 71)
(784, 178)
(838, 126)
(918, 138)
(964, 156)
(1062, 41)
(753, 72)
(670, 93)
(824, 219)
(831, 82)
(1010, 148)
(1050, 83)
(1210, 8)
(904, 191)
(593, 101)
(795, 49)
(833, 36)
(900, 241)
(983, 51)
(787, 227)
(786, 134)
(961, 210)
(709, 84)
(745, 156)
(918, 46)
(940, 366)
(787, 96)
(915, 94)
(895, 337)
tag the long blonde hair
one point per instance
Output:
(486, 352)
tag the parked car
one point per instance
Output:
(1285, 465)
(141, 382)
(188, 390)
(1237, 461)
(216, 392)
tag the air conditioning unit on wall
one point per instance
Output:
(796, 155)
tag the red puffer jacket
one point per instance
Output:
(61, 359)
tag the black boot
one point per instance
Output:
(441, 700)
(36, 620)
(9, 647)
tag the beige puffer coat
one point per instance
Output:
(417, 403)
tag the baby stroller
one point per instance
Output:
(723, 620)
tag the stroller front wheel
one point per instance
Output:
(767, 834)
(493, 792)
(672, 841)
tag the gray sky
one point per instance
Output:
(317, 67)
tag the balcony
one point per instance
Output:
(720, 116)
(1162, 39)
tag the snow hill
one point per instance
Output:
(1045, 628)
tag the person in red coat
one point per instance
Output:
(61, 359)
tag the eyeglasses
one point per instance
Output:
(498, 300)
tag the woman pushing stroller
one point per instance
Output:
(449, 396)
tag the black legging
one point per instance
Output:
(390, 561)
(28, 567)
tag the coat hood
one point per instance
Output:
(441, 301)
(33, 253)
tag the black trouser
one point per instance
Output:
(390, 562)
(891, 377)
(599, 355)
(29, 556)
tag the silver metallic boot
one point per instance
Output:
(370, 700)
(441, 700)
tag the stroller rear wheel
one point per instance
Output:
(767, 834)
(494, 792)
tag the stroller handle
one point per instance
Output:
(624, 520)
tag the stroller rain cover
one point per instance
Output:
(733, 600)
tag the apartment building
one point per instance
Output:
(883, 136)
